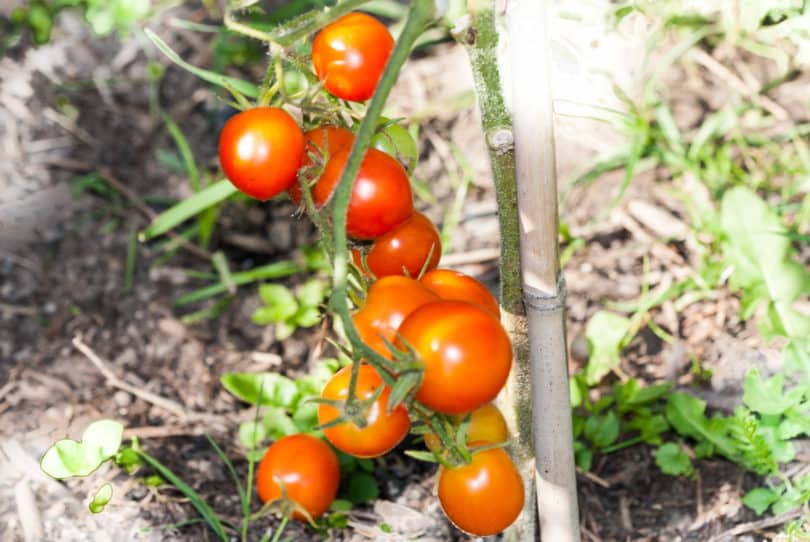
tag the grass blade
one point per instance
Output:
(205, 198)
(224, 271)
(199, 504)
(248, 89)
(271, 271)
(185, 152)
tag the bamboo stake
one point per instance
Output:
(543, 288)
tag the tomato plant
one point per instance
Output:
(349, 55)
(450, 284)
(381, 196)
(405, 250)
(486, 424)
(321, 143)
(383, 430)
(484, 497)
(465, 351)
(308, 469)
(388, 302)
(260, 151)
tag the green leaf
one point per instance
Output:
(340, 505)
(583, 456)
(207, 197)
(767, 396)
(248, 89)
(252, 434)
(278, 424)
(362, 487)
(762, 256)
(101, 498)
(307, 316)
(129, 460)
(312, 292)
(280, 304)
(184, 149)
(276, 390)
(100, 441)
(686, 415)
(604, 332)
(602, 430)
(672, 460)
(422, 455)
(759, 499)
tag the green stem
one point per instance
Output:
(280, 529)
(421, 13)
(480, 39)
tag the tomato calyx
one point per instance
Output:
(351, 410)
(284, 507)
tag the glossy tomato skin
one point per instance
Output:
(388, 302)
(308, 468)
(405, 249)
(486, 425)
(465, 351)
(453, 285)
(260, 151)
(381, 196)
(383, 430)
(349, 55)
(484, 497)
(323, 141)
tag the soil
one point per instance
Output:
(81, 105)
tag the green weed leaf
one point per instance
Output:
(767, 396)
(759, 499)
(686, 415)
(276, 390)
(362, 488)
(100, 499)
(602, 430)
(672, 460)
(100, 441)
(605, 332)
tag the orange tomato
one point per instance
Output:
(388, 302)
(484, 497)
(383, 429)
(465, 351)
(450, 284)
(486, 424)
(307, 467)
(405, 249)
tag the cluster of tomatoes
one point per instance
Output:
(439, 326)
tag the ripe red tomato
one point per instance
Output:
(484, 497)
(405, 249)
(449, 284)
(307, 467)
(349, 55)
(466, 354)
(381, 196)
(388, 302)
(486, 424)
(383, 429)
(260, 151)
(323, 141)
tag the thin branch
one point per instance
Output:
(166, 404)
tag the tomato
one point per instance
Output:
(260, 151)
(486, 424)
(465, 351)
(323, 141)
(395, 140)
(383, 430)
(449, 284)
(405, 249)
(484, 497)
(307, 467)
(381, 196)
(349, 55)
(388, 302)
